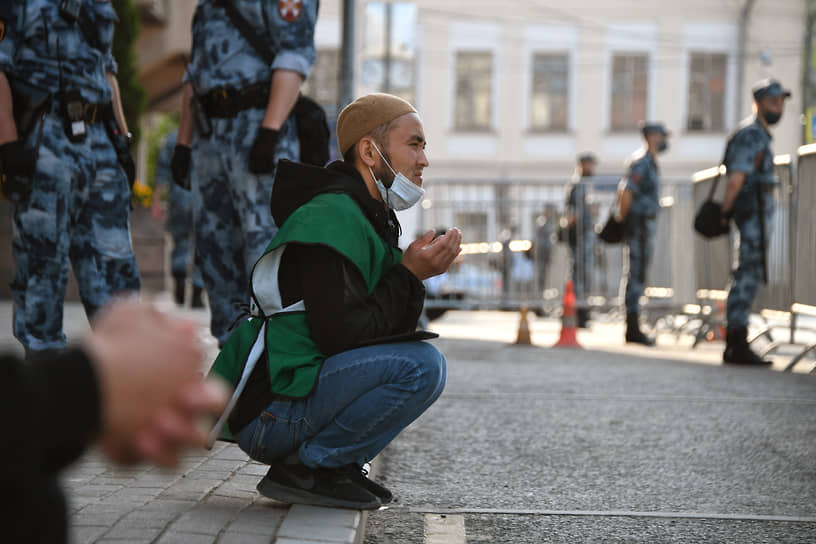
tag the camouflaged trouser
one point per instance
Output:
(640, 241)
(749, 273)
(78, 210)
(180, 227)
(233, 222)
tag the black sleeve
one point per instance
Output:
(52, 411)
(340, 312)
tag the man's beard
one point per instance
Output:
(383, 173)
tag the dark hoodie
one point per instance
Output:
(340, 312)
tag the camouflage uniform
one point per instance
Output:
(179, 215)
(233, 223)
(582, 249)
(80, 199)
(749, 152)
(641, 225)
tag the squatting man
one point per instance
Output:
(329, 368)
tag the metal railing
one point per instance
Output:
(512, 258)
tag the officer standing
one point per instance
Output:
(65, 162)
(179, 226)
(242, 107)
(639, 204)
(749, 202)
(581, 231)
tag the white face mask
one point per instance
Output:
(402, 194)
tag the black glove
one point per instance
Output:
(262, 154)
(180, 166)
(16, 170)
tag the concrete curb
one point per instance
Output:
(319, 525)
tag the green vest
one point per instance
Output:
(294, 360)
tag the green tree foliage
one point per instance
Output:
(134, 98)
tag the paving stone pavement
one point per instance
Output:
(209, 498)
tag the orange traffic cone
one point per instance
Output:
(569, 329)
(523, 337)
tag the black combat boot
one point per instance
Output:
(737, 351)
(633, 332)
(196, 302)
(180, 285)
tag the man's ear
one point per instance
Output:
(366, 152)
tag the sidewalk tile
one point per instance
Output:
(172, 537)
(207, 518)
(320, 524)
(86, 535)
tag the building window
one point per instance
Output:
(706, 96)
(473, 106)
(630, 91)
(549, 100)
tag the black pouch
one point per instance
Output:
(72, 110)
(313, 131)
(70, 9)
(708, 220)
(613, 230)
(29, 105)
(200, 119)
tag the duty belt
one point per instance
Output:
(91, 113)
(228, 101)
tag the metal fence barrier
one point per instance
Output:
(803, 243)
(512, 258)
(804, 239)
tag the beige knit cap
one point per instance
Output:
(367, 113)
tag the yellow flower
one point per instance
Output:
(142, 194)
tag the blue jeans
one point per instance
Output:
(362, 400)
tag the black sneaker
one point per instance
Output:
(359, 476)
(299, 484)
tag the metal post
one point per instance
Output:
(808, 76)
(347, 56)
(742, 37)
(387, 50)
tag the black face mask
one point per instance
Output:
(771, 118)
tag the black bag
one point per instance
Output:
(313, 131)
(312, 126)
(613, 230)
(567, 234)
(708, 220)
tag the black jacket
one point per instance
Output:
(51, 412)
(340, 312)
